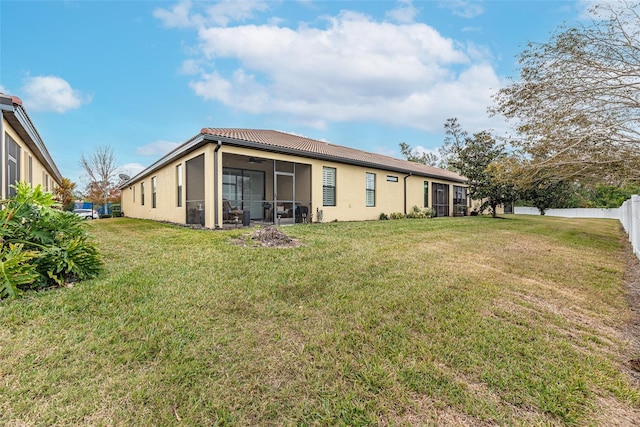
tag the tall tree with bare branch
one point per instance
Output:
(577, 104)
(100, 168)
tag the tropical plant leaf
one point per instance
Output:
(15, 269)
(59, 246)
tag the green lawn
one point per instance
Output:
(472, 321)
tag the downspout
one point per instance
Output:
(405, 192)
(215, 185)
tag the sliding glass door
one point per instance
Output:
(244, 189)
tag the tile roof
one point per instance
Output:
(275, 140)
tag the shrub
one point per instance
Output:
(429, 212)
(16, 269)
(116, 210)
(42, 246)
(396, 215)
(383, 216)
(416, 212)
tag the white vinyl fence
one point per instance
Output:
(571, 213)
(630, 219)
(628, 214)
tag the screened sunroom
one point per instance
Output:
(265, 190)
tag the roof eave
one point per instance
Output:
(187, 147)
(21, 123)
(204, 138)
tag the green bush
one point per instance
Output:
(416, 212)
(42, 246)
(116, 210)
(16, 269)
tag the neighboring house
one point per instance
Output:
(23, 155)
(227, 175)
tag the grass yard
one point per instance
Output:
(452, 321)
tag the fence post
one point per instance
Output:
(634, 229)
(628, 218)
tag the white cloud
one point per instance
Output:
(422, 150)
(401, 74)
(51, 93)
(156, 148)
(405, 12)
(464, 8)
(224, 12)
(130, 169)
(190, 67)
(176, 17)
(4, 90)
(221, 13)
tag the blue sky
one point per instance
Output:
(144, 76)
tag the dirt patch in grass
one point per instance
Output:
(270, 237)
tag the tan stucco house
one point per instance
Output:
(231, 175)
(24, 157)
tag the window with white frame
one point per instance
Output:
(370, 184)
(11, 165)
(328, 186)
(154, 188)
(30, 170)
(426, 194)
(27, 165)
(179, 181)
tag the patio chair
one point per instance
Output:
(302, 212)
(230, 213)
